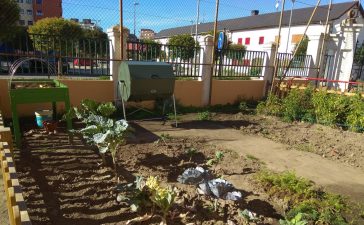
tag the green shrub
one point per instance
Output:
(355, 117)
(204, 116)
(330, 109)
(272, 106)
(298, 105)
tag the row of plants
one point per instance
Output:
(101, 130)
(317, 107)
(307, 204)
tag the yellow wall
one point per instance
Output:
(187, 92)
(229, 91)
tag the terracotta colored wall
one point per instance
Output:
(228, 91)
(188, 92)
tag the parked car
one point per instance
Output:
(84, 62)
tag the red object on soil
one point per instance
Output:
(50, 126)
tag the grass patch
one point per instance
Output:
(306, 202)
(251, 157)
(305, 148)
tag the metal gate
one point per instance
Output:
(240, 64)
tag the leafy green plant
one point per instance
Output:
(204, 116)
(272, 106)
(330, 109)
(298, 105)
(105, 133)
(147, 193)
(313, 205)
(355, 117)
(191, 152)
(161, 196)
(219, 156)
(243, 107)
(248, 216)
(164, 138)
(106, 109)
(297, 220)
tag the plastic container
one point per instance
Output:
(43, 115)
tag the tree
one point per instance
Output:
(182, 46)
(94, 42)
(55, 34)
(302, 48)
(150, 49)
(236, 51)
(9, 16)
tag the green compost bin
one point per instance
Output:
(141, 81)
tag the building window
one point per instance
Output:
(240, 41)
(20, 1)
(21, 11)
(247, 41)
(296, 38)
(30, 12)
(30, 22)
(39, 13)
(21, 22)
(28, 1)
(261, 40)
(39, 1)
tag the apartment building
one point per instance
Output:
(33, 10)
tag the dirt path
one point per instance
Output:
(334, 176)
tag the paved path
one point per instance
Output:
(334, 176)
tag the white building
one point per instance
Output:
(257, 31)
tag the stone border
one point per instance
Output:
(17, 208)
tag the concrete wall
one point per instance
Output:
(187, 92)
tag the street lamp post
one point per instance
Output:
(197, 20)
(289, 26)
(135, 5)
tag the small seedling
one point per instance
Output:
(191, 152)
(243, 107)
(217, 159)
(164, 138)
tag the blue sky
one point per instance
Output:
(162, 14)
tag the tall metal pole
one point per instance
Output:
(322, 49)
(290, 22)
(121, 31)
(213, 51)
(197, 20)
(277, 46)
(135, 5)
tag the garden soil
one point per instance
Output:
(66, 183)
(234, 132)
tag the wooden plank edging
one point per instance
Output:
(17, 209)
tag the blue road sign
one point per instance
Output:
(221, 40)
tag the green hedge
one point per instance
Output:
(317, 107)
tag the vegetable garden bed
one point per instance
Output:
(67, 184)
